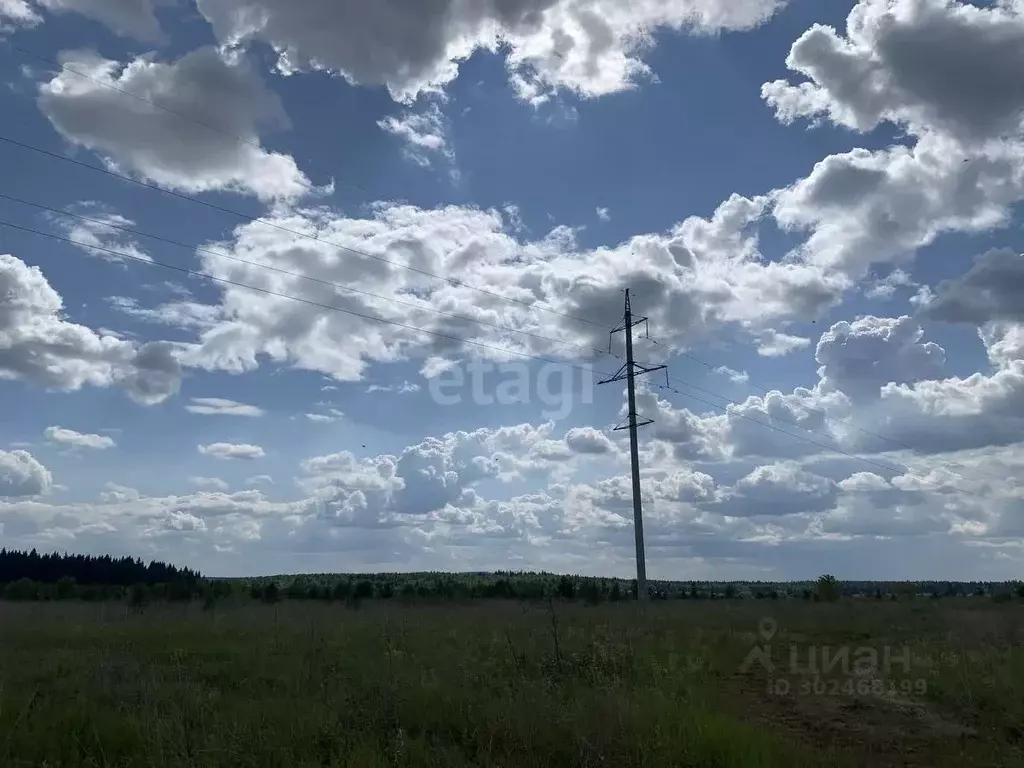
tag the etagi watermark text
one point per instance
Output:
(833, 670)
(556, 387)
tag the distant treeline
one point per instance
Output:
(32, 576)
(437, 586)
(536, 586)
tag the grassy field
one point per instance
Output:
(497, 683)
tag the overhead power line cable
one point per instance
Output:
(297, 233)
(277, 294)
(299, 275)
(257, 145)
(65, 67)
(450, 337)
(317, 239)
(163, 108)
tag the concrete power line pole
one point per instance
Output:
(629, 372)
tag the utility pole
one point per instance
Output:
(629, 372)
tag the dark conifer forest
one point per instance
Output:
(30, 575)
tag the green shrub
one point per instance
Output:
(271, 594)
(22, 589)
(342, 590)
(829, 590)
(66, 588)
(363, 590)
(138, 596)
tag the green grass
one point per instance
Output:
(495, 684)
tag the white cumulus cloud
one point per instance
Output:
(69, 437)
(934, 69)
(704, 274)
(22, 475)
(925, 64)
(132, 18)
(232, 451)
(17, 13)
(423, 132)
(100, 232)
(591, 47)
(166, 148)
(217, 406)
(38, 345)
(209, 483)
(774, 343)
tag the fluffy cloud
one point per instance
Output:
(690, 435)
(993, 289)
(427, 506)
(704, 274)
(774, 425)
(405, 388)
(330, 417)
(867, 206)
(423, 132)
(232, 451)
(438, 477)
(955, 413)
(133, 18)
(37, 345)
(935, 70)
(1004, 343)
(180, 314)
(98, 232)
(939, 64)
(886, 511)
(590, 47)
(864, 482)
(177, 520)
(216, 406)
(165, 148)
(777, 489)
(880, 387)
(737, 504)
(793, 416)
(773, 343)
(145, 524)
(886, 287)
(736, 377)
(439, 471)
(607, 505)
(588, 440)
(155, 374)
(17, 13)
(70, 438)
(211, 483)
(22, 475)
(861, 357)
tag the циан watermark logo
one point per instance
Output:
(832, 670)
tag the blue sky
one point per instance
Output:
(803, 198)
